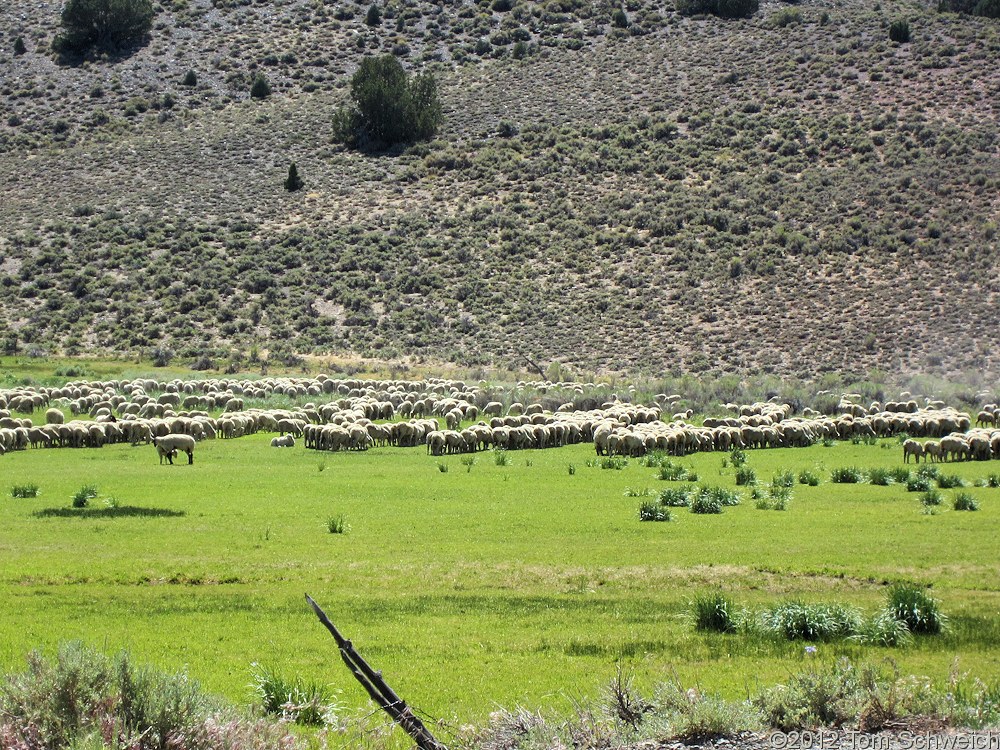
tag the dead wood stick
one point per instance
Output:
(377, 688)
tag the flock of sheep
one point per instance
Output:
(354, 414)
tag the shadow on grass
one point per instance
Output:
(122, 511)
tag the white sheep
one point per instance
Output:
(168, 446)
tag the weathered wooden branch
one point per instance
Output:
(377, 688)
(532, 365)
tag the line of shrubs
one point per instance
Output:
(908, 611)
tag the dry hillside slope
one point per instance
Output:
(792, 193)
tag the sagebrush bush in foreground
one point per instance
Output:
(84, 697)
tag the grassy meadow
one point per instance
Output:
(479, 586)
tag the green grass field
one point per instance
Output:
(470, 589)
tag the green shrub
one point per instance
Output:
(693, 716)
(950, 481)
(931, 497)
(670, 472)
(297, 700)
(737, 457)
(24, 490)
(106, 24)
(190, 79)
(847, 475)
(814, 698)
(676, 497)
(704, 503)
(612, 462)
(785, 17)
(746, 476)
(619, 19)
(965, 501)
(899, 31)
(928, 471)
(721, 8)
(987, 9)
(84, 495)
(388, 107)
(783, 479)
(880, 476)
(808, 478)
(468, 462)
(713, 500)
(337, 524)
(442, 467)
(883, 629)
(374, 16)
(917, 483)
(714, 613)
(811, 622)
(501, 457)
(64, 702)
(652, 511)
(632, 492)
(572, 469)
(777, 498)
(900, 474)
(293, 182)
(261, 87)
(19, 46)
(911, 605)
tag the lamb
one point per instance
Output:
(285, 441)
(168, 446)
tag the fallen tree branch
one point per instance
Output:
(377, 688)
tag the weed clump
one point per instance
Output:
(24, 490)
(671, 472)
(911, 605)
(653, 511)
(676, 497)
(296, 700)
(745, 476)
(847, 475)
(714, 613)
(949, 481)
(811, 622)
(808, 478)
(337, 524)
(931, 498)
(710, 500)
(965, 501)
(84, 495)
(880, 476)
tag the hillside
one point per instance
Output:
(792, 194)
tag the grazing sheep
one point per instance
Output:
(285, 441)
(955, 447)
(932, 451)
(168, 446)
(54, 416)
(912, 448)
